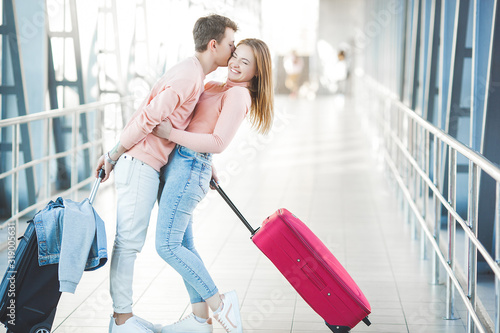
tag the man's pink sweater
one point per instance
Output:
(217, 116)
(174, 96)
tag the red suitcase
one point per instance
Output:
(310, 268)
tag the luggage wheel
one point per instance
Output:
(345, 329)
(40, 328)
(338, 329)
(45, 326)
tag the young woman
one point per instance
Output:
(217, 116)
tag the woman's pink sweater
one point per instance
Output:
(216, 118)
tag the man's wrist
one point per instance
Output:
(109, 160)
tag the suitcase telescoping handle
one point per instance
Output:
(233, 207)
(97, 182)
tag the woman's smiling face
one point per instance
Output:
(242, 66)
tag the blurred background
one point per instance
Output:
(425, 74)
(63, 53)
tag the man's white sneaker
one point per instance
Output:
(229, 316)
(132, 325)
(156, 328)
(189, 324)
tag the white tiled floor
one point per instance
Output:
(319, 163)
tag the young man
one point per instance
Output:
(137, 176)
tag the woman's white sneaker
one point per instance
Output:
(189, 324)
(229, 316)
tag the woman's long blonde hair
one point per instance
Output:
(261, 87)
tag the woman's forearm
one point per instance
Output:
(201, 143)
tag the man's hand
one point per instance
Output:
(163, 129)
(103, 164)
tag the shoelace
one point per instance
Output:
(183, 319)
(224, 325)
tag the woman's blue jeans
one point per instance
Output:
(186, 180)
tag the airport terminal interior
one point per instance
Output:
(384, 143)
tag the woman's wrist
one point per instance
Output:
(163, 129)
(167, 134)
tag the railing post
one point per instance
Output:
(384, 128)
(437, 205)
(472, 249)
(413, 182)
(424, 191)
(497, 257)
(46, 144)
(15, 175)
(413, 164)
(98, 132)
(452, 175)
(74, 155)
(400, 159)
(406, 138)
(44, 163)
(411, 176)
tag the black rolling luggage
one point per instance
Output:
(29, 293)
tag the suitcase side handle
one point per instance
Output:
(224, 196)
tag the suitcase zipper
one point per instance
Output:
(320, 260)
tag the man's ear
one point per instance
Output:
(212, 45)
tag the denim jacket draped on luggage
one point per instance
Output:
(73, 235)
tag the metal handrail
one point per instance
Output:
(46, 117)
(48, 158)
(433, 242)
(492, 263)
(60, 112)
(402, 157)
(482, 162)
(486, 165)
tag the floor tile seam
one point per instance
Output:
(380, 230)
(310, 211)
(213, 261)
(250, 281)
(149, 284)
(106, 278)
(294, 311)
(387, 250)
(410, 239)
(223, 245)
(280, 199)
(394, 279)
(260, 257)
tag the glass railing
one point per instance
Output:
(77, 151)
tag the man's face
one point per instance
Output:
(225, 48)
